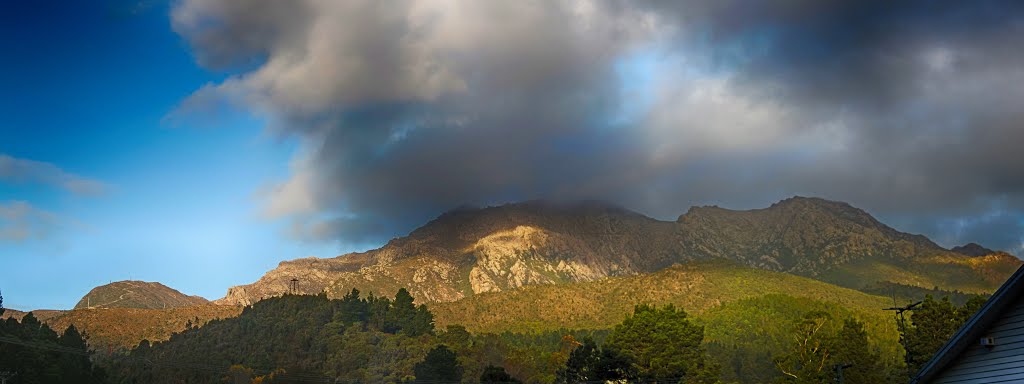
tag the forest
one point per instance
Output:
(356, 339)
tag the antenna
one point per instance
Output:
(902, 324)
(293, 286)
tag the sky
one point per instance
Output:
(200, 142)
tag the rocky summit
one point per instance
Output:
(470, 251)
(973, 249)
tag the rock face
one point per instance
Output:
(471, 251)
(137, 294)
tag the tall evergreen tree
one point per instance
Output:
(353, 308)
(931, 325)
(439, 366)
(663, 345)
(421, 323)
(494, 374)
(590, 363)
(379, 309)
(850, 346)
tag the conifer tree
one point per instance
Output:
(850, 346)
(494, 374)
(663, 345)
(439, 366)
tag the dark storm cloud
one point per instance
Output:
(406, 109)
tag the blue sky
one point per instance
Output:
(86, 89)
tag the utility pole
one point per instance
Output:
(4, 375)
(293, 288)
(902, 324)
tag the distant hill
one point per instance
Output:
(126, 327)
(40, 314)
(973, 249)
(137, 294)
(471, 251)
(16, 314)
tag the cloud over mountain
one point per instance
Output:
(407, 108)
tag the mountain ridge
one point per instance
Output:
(468, 251)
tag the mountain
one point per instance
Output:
(137, 294)
(470, 251)
(973, 249)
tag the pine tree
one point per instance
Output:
(850, 346)
(421, 323)
(439, 366)
(589, 363)
(494, 374)
(931, 325)
(402, 312)
(663, 345)
(353, 308)
(379, 307)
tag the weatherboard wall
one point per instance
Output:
(1001, 363)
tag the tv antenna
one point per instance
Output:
(902, 324)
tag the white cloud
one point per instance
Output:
(15, 170)
(20, 221)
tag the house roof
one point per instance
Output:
(975, 327)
